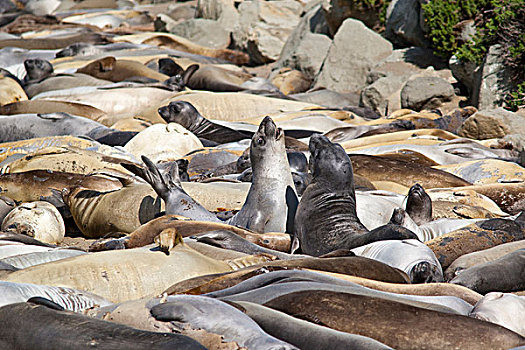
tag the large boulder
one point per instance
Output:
(492, 81)
(388, 77)
(383, 95)
(336, 11)
(353, 52)
(404, 23)
(464, 71)
(307, 45)
(264, 27)
(223, 11)
(426, 92)
(493, 123)
(205, 32)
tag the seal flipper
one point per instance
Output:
(167, 239)
(151, 175)
(249, 260)
(45, 302)
(385, 232)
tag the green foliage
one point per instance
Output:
(516, 99)
(496, 21)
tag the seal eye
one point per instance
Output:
(260, 141)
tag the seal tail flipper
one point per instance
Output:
(151, 175)
(189, 72)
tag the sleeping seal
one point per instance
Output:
(28, 326)
(326, 218)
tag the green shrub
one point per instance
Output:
(497, 22)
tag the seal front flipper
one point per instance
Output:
(168, 239)
(46, 302)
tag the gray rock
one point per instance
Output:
(182, 10)
(223, 11)
(493, 123)
(403, 23)
(383, 95)
(426, 93)
(264, 27)
(328, 98)
(336, 11)
(464, 72)
(205, 32)
(353, 52)
(492, 81)
(418, 56)
(307, 46)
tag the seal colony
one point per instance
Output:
(156, 193)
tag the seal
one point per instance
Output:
(67, 298)
(32, 326)
(373, 317)
(45, 107)
(510, 197)
(266, 209)
(6, 205)
(217, 317)
(378, 168)
(130, 274)
(146, 233)
(185, 114)
(346, 133)
(266, 293)
(409, 255)
(36, 69)
(28, 126)
(11, 90)
(326, 218)
(419, 205)
(345, 266)
(474, 237)
(40, 220)
(305, 335)
(505, 309)
(472, 259)
(435, 289)
(23, 261)
(111, 69)
(504, 274)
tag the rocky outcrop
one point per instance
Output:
(426, 93)
(264, 27)
(353, 52)
(493, 123)
(307, 46)
(336, 11)
(205, 32)
(492, 81)
(404, 23)
(383, 95)
(223, 11)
